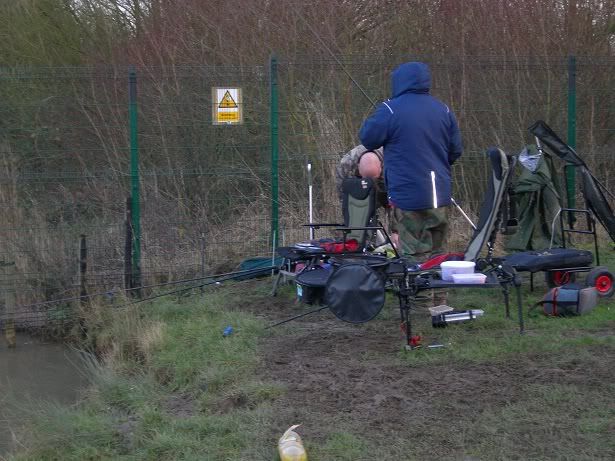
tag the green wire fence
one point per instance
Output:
(131, 163)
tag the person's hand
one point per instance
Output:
(395, 239)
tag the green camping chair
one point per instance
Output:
(360, 224)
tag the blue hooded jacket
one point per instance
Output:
(421, 141)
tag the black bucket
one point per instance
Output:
(311, 283)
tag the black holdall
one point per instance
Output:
(569, 300)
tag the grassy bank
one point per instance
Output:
(172, 387)
(168, 388)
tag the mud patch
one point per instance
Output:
(180, 406)
(342, 377)
(230, 403)
(126, 433)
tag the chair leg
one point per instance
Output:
(276, 281)
(505, 292)
(520, 309)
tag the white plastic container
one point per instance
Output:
(476, 278)
(449, 268)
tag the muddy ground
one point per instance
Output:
(354, 379)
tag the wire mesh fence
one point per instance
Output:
(213, 194)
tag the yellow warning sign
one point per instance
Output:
(228, 117)
(227, 101)
(227, 106)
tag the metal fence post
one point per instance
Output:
(84, 301)
(572, 134)
(10, 293)
(273, 83)
(134, 179)
(128, 249)
(83, 269)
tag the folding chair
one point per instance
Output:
(360, 230)
(491, 216)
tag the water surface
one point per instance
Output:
(35, 371)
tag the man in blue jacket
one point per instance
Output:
(421, 141)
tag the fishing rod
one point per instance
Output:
(310, 200)
(336, 60)
(216, 280)
(464, 213)
(215, 277)
(318, 309)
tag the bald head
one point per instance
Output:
(370, 165)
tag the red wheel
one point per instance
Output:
(559, 278)
(602, 280)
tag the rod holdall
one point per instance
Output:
(568, 300)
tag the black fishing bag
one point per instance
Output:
(554, 258)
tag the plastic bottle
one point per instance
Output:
(290, 446)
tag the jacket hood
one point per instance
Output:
(413, 77)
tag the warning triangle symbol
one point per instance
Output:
(227, 101)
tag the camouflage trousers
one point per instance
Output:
(422, 234)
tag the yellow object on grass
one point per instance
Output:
(290, 446)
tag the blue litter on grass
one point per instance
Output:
(228, 331)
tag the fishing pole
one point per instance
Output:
(310, 200)
(318, 309)
(215, 277)
(216, 280)
(336, 60)
(464, 214)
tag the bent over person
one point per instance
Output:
(421, 140)
(359, 162)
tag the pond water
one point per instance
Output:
(35, 371)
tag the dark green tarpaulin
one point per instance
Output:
(538, 203)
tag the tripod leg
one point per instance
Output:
(408, 326)
(404, 316)
(405, 305)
